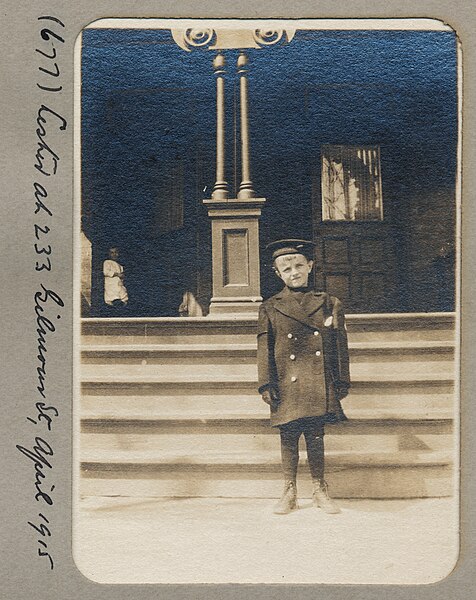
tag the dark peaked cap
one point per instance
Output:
(283, 247)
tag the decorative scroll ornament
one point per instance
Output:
(270, 37)
(193, 38)
(228, 39)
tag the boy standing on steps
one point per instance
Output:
(303, 367)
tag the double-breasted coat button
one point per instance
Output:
(293, 379)
(318, 353)
(316, 333)
(290, 336)
(292, 357)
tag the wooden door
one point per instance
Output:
(356, 262)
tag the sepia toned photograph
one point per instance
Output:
(267, 230)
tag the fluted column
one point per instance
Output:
(220, 189)
(246, 186)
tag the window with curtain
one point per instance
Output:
(351, 183)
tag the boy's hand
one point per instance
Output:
(341, 390)
(271, 397)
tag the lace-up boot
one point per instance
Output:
(320, 497)
(288, 501)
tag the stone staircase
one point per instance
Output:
(169, 407)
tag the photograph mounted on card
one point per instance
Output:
(266, 216)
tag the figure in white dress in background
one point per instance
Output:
(115, 292)
(190, 306)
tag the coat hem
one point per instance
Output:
(330, 418)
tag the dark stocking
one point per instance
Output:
(314, 436)
(289, 451)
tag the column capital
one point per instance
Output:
(225, 38)
(219, 63)
(242, 62)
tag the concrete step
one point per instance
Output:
(428, 401)
(153, 412)
(147, 461)
(169, 407)
(227, 396)
(259, 425)
(198, 330)
(169, 353)
(401, 351)
(395, 327)
(403, 370)
(429, 478)
(142, 442)
(147, 353)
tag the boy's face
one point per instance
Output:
(293, 269)
(113, 253)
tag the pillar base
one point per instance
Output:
(240, 307)
(235, 256)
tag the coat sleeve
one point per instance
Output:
(266, 366)
(342, 372)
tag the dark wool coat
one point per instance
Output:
(303, 355)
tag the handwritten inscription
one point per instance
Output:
(44, 326)
(49, 51)
(47, 302)
(38, 455)
(44, 531)
(46, 158)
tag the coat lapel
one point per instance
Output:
(313, 302)
(289, 306)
